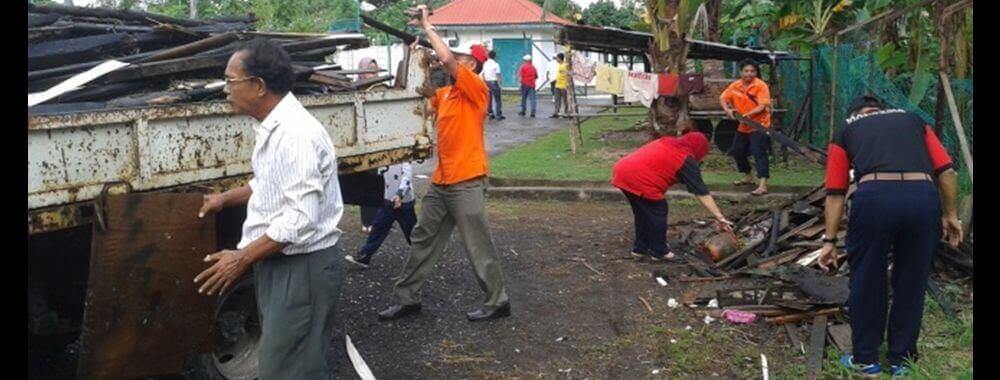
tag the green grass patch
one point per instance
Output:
(607, 139)
(945, 347)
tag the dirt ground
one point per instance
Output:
(568, 321)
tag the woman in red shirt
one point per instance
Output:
(646, 174)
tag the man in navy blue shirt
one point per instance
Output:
(904, 176)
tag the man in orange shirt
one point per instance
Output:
(751, 97)
(456, 196)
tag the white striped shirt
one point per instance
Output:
(296, 195)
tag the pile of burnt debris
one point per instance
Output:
(83, 59)
(777, 250)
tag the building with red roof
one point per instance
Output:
(514, 28)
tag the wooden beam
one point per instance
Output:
(143, 17)
(817, 343)
(963, 143)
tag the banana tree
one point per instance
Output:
(669, 21)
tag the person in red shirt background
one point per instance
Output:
(646, 174)
(527, 74)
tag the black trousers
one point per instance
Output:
(650, 225)
(755, 143)
(903, 217)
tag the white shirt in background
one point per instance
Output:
(491, 71)
(296, 194)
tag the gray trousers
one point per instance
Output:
(442, 209)
(297, 299)
(562, 101)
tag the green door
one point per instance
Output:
(510, 52)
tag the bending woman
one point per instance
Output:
(646, 174)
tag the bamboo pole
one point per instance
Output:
(966, 154)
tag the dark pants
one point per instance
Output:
(903, 217)
(755, 143)
(650, 225)
(495, 98)
(297, 300)
(368, 215)
(562, 101)
(404, 216)
(528, 92)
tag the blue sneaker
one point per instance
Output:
(900, 370)
(864, 370)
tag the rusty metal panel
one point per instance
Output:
(71, 158)
(143, 315)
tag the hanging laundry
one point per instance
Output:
(667, 84)
(693, 83)
(609, 79)
(584, 69)
(641, 87)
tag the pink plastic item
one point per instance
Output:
(739, 316)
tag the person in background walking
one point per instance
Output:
(562, 84)
(491, 74)
(398, 208)
(527, 75)
(551, 71)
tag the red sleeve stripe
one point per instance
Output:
(837, 170)
(939, 156)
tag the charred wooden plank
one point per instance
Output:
(54, 53)
(192, 48)
(359, 84)
(38, 19)
(137, 16)
(62, 52)
(817, 343)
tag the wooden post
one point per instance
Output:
(614, 97)
(574, 130)
(193, 5)
(966, 154)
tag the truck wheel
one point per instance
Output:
(237, 335)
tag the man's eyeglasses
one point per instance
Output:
(237, 80)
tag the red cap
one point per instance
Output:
(478, 52)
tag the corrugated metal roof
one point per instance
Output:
(488, 12)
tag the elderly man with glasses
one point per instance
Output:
(293, 207)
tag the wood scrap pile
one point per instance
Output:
(781, 247)
(790, 234)
(169, 60)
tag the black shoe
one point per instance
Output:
(520, 114)
(361, 260)
(482, 314)
(501, 117)
(397, 312)
(492, 117)
(532, 116)
(554, 116)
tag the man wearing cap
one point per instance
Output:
(456, 195)
(897, 161)
(527, 75)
